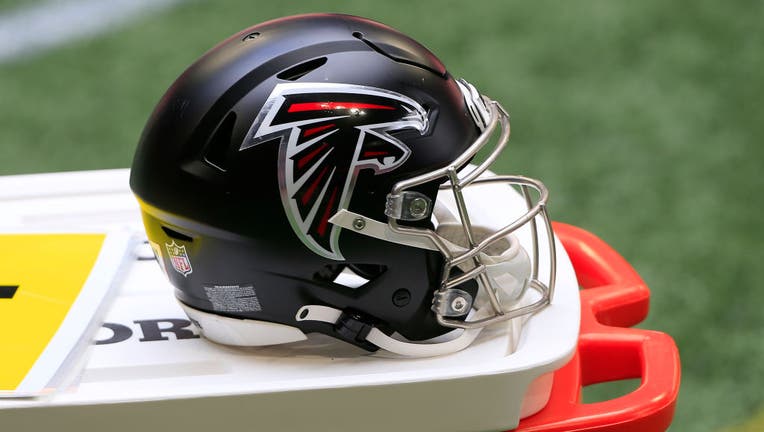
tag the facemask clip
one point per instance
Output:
(408, 206)
(452, 302)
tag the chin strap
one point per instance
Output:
(411, 349)
(377, 337)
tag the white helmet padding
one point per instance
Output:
(242, 332)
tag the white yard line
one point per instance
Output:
(29, 30)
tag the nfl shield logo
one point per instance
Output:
(179, 258)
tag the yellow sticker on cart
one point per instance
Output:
(41, 277)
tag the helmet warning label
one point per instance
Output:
(233, 298)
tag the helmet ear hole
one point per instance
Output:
(329, 272)
(350, 275)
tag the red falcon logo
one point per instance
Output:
(328, 133)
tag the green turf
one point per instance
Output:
(642, 117)
(8, 5)
(14, 6)
(754, 424)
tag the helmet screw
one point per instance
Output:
(458, 304)
(359, 224)
(418, 207)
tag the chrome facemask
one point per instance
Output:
(492, 257)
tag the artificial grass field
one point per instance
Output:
(645, 120)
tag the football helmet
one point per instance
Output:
(289, 184)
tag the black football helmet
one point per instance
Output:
(289, 183)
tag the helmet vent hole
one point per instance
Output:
(216, 152)
(176, 235)
(350, 279)
(358, 275)
(296, 72)
(251, 36)
(351, 276)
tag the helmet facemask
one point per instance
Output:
(472, 250)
